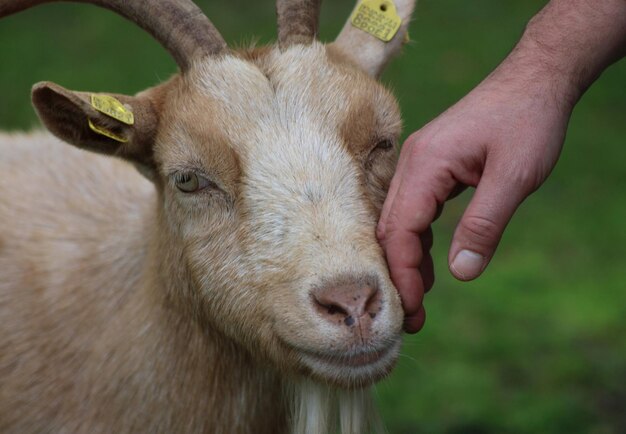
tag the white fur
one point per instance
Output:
(320, 409)
(302, 192)
(300, 185)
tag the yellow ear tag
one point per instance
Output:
(105, 133)
(378, 18)
(113, 108)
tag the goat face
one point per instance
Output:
(273, 173)
(271, 167)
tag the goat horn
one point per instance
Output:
(297, 21)
(179, 25)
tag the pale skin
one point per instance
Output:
(503, 138)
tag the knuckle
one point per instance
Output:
(427, 149)
(481, 230)
(525, 177)
(415, 139)
(393, 223)
(419, 145)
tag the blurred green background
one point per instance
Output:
(538, 344)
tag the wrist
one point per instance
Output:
(564, 48)
(555, 71)
(530, 72)
(570, 43)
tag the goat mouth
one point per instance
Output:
(349, 369)
(354, 360)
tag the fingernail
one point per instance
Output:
(468, 264)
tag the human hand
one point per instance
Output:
(503, 138)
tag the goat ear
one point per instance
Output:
(123, 126)
(367, 51)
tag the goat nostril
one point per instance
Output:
(373, 304)
(334, 309)
(348, 321)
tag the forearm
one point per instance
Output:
(568, 44)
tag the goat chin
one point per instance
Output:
(318, 408)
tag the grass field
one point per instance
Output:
(538, 344)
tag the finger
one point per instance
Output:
(458, 189)
(393, 186)
(421, 189)
(423, 186)
(427, 239)
(426, 267)
(413, 324)
(438, 212)
(480, 229)
(403, 270)
(427, 271)
(407, 148)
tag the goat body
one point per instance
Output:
(88, 343)
(237, 286)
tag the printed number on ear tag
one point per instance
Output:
(378, 18)
(113, 108)
(106, 133)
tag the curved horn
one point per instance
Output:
(297, 21)
(179, 25)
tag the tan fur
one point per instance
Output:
(130, 306)
(88, 345)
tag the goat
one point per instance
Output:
(233, 283)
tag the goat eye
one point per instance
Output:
(384, 145)
(381, 148)
(189, 182)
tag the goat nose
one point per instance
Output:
(348, 304)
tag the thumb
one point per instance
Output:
(480, 229)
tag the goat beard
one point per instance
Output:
(317, 408)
